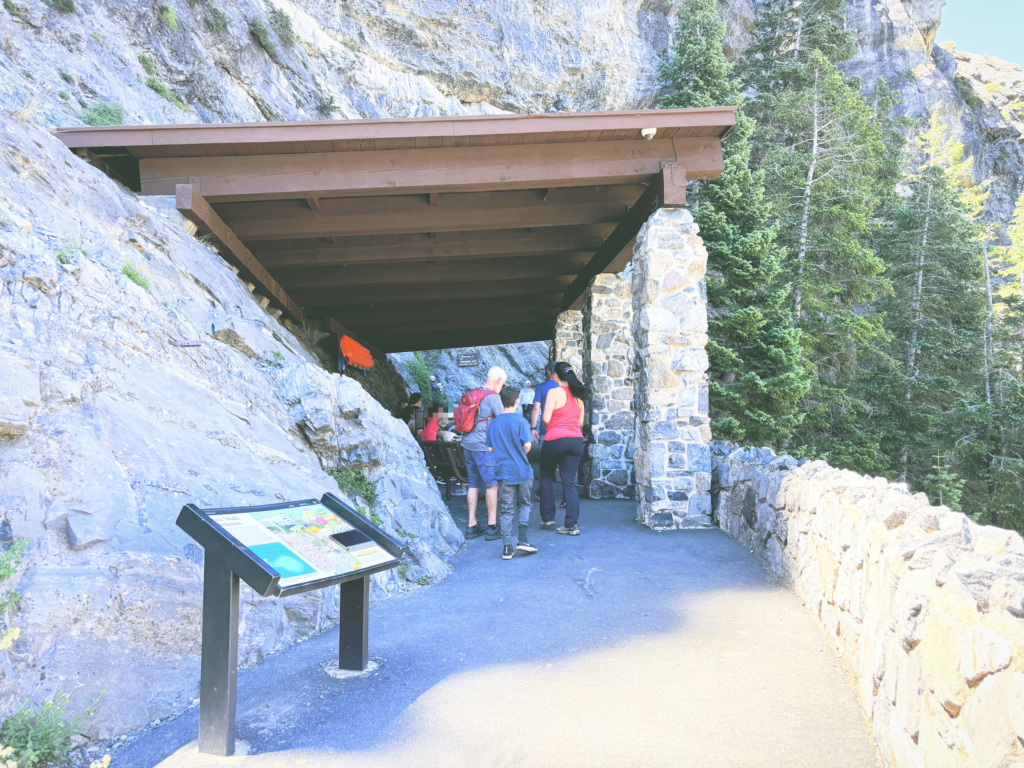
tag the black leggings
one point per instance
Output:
(563, 454)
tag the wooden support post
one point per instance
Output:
(666, 190)
(196, 209)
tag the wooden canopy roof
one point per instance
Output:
(421, 233)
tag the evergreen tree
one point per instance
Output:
(756, 379)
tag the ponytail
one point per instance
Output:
(565, 373)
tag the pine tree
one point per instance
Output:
(756, 376)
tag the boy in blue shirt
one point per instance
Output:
(509, 439)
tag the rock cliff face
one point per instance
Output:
(106, 428)
(109, 428)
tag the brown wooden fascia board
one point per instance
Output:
(196, 209)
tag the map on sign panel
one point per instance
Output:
(304, 543)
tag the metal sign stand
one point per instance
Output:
(219, 663)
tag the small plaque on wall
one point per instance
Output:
(469, 360)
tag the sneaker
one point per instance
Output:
(573, 531)
(508, 552)
(548, 524)
(525, 546)
(562, 505)
(473, 532)
(493, 533)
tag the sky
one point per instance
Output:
(995, 27)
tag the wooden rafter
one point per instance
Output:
(197, 210)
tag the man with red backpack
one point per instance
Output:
(472, 417)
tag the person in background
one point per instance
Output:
(402, 402)
(526, 400)
(408, 414)
(562, 448)
(538, 403)
(508, 438)
(480, 461)
(429, 431)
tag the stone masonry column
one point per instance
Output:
(672, 460)
(568, 342)
(607, 468)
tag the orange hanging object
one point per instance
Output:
(354, 353)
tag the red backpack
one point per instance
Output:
(467, 409)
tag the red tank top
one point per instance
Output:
(430, 430)
(565, 421)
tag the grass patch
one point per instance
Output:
(356, 482)
(273, 359)
(45, 736)
(261, 35)
(70, 250)
(327, 108)
(169, 17)
(402, 570)
(12, 9)
(97, 37)
(217, 21)
(147, 63)
(282, 24)
(423, 581)
(67, 78)
(160, 87)
(64, 95)
(64, 6)
(137, 275)
(104, 113)
(25, 73)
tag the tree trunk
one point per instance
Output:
(987, 335)
(806, 214)
(915, 302)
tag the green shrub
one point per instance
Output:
(160, 87)
(70, 250)
(137, 275)
(64, 95)
(104, 113)
(217, 20)
(327, 107)
(282, 24)
(356, 481)
(261, 35)
(67, 78)
(25, 73)
(97, 37)
(402, 570)
(147, 64)
(966, 90)
(45, 736)
(169, 17)
(272, 359)
(11, 8)
(64, 6)
(423, 581)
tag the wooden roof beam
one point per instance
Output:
(197, 210)
(468, 337)
(422, 171)
(399, 294)
(364, 315)
(447, 272)
(666, 190)
(429, 323)
(411, 248)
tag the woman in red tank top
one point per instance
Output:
(562, 448)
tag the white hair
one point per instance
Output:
(496, 373)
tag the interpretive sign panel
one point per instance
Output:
(469, 359)
(279, 550)
(303, 542)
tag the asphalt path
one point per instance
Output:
(620, 647)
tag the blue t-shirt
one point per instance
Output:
(507, 435)
(542, 392)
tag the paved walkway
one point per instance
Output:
(620, 647)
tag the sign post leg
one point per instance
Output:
(219, 665)
(354, 624)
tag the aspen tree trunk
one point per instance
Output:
(987, 335)
(915, 303)
(806, 215)
(799, 32)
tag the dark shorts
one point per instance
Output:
(480, 465)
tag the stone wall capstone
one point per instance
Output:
(669, 324)
(923, 606)
(607, 468)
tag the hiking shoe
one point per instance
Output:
(562, 505)
(525, 546)
(493, 533)
(573, 531)
(508, 552)
(473, 532)
(548, 524)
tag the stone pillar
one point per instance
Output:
(607, 468)
(568, 342)
(672, 460)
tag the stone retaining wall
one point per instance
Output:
(924, 607)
